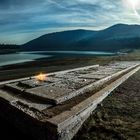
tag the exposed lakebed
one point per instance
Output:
(8, 59)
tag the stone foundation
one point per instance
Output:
(57, 107)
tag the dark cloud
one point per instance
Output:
(18, 3)
(32, 16)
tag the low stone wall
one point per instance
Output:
(69, 122)
(31, 111)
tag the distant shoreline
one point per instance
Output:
(22, 57)
(46, 65)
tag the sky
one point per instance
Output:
(24, 20)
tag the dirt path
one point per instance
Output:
(118, 117)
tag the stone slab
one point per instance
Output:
(68, 122)
(64, 85)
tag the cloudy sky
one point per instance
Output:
(23, 20)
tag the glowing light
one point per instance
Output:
(41, 77)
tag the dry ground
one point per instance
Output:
(46, 65)
(118, 117)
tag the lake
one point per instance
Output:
(7, 59)
(76, 53)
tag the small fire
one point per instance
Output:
(41, 77)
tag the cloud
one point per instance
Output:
(30, 18)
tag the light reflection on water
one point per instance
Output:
(15, 58)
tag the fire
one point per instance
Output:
(41, 77)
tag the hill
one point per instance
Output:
(9, 48)
(119, 37)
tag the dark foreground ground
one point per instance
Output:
(118, 117)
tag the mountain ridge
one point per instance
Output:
(115, 38)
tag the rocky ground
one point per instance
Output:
(118, 117)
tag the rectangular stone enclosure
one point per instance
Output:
(55, 108)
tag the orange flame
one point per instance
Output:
(41, 77)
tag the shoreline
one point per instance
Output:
(43, 65)
(23, 57)
(47, 65)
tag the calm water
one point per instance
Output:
(83, 53)
(7, 59)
